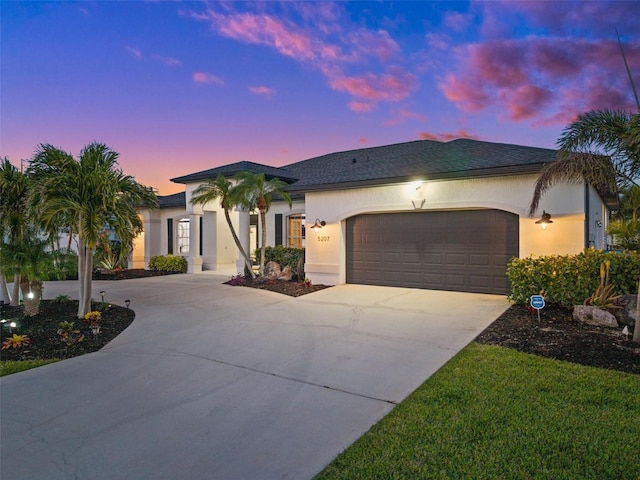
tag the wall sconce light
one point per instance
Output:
(544, 220)
(318, 225)
(127, 302)
(599, 223)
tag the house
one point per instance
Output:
(424, 214)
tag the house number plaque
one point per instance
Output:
(323, 238)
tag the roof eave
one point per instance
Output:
(459, 175)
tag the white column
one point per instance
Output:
(153, 236)
(195, 260)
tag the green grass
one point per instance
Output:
(495, 413)
(7, 367)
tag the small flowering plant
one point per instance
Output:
(16, 341)
(93, 318)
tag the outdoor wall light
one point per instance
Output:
(599, 223)
(127, 302)
(544, 220)
(318, 225)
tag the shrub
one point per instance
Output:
(65, 265)
(238, 280)
(168, 263)
(62, 299)
(568, 280)
(293, 257)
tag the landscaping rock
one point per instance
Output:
(286, 274)
(594, 316)
(272, 270)
(626, 313)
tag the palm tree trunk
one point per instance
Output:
(15, 294)
(31, 294)
(85, 270)
(4, 289)
(636, 329)
(247, 259)
(263, 221)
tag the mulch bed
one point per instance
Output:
(43, 330)
(290, 288)
(558, 336)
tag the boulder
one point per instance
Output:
(626, 311)
(272, 270)
(594, 316)
(286, 274)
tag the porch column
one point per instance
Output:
(244, 228)
(152, 236)
(194, 262)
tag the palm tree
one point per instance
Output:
(257, 192)
(32, 263)
(87, 195)
(625, 224)
(222, 189)
(14, 218)
(601, 147)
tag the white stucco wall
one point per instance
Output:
(325, 250)
(325, 253)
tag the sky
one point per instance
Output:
(176, 87)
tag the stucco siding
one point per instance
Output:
(325, 249)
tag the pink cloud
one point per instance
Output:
(207, 78)
(378, 44)
(136, 52)
(361, 106)
(457, 21)
(313, 34)
(168, 61)
(531, 79)
(392, 86)
(363, 140)
(446, 137)
(263, 29)
(599, 17)
(262, 90)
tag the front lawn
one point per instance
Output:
(496, 413)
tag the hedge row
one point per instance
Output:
(168, 263)
(568, 280)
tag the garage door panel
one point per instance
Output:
(482, 260)
(449, 250)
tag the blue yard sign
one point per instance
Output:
(537, 302)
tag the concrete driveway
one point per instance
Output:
(219, 382)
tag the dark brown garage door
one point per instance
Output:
(461, 250)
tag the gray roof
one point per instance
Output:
(234, 168)
(175, 200)
(422, 159)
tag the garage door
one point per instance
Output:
(446, 250)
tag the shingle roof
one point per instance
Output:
(175, 200)
(233, 168)
(427, 159)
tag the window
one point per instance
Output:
(183, 236)
(296, 231)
